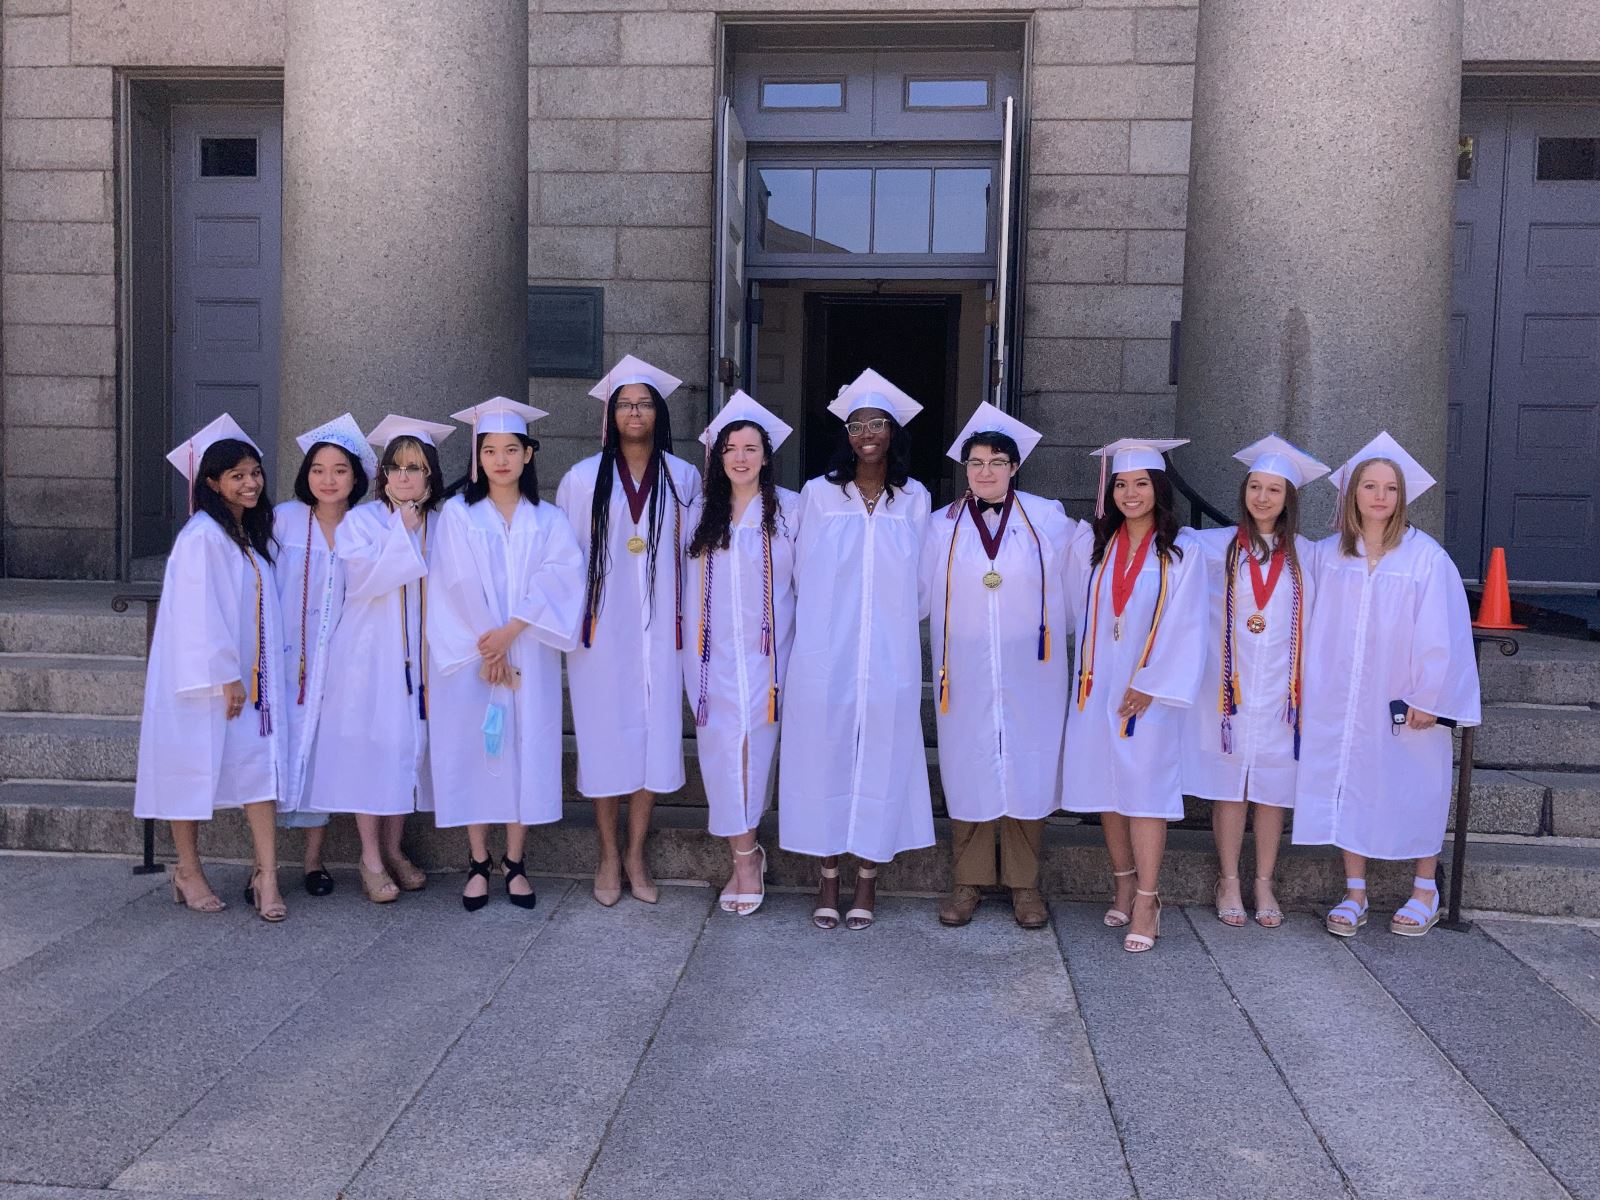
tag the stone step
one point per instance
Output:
(44, 617)
(57, 746)
(1549, 878)
(1539, 736)
(1545, 670)
(85, 684)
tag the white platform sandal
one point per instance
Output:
(826, 918)
(1137, 943)
(745, 903)
(861, 918)
(1352, 914)
(1426, 917)
(1115, 918)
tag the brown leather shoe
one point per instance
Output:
(959, 905)
(1028, 906)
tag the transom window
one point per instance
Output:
(801, 95)
(949, 93)
(890, 208)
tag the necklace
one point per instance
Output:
(870, 501)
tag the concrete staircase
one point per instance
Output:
(72, 678)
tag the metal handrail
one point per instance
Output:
(1199, 506)
(151, 602)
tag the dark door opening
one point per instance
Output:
(910, 340)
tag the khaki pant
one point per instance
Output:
(972, 852)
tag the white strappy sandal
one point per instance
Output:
(1115, 918)
(1232, 916)
(1354, 913)
(1137, 943)
(861, 918)
(745, 903)
(826, 918)
(1426, 917)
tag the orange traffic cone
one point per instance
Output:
(1494, 610)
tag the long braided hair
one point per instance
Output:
(600, 507)
(714, 532)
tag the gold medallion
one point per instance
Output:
(1256, 623)
(636, 544)
(991, 580)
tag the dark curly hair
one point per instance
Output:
(1166, 517)
(842, 468)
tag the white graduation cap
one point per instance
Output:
(497, 415)
(1383, 446)
(430, 433)
(635, 370)
(500, 415)
(742, 407)
(989, 419)
(344, 433)
(1274, 455)
(871, 390)
(187, 455)
(1131, 454)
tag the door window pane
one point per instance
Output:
(784, 206)
(960, 211)
(947, 93)
(227, 157)
(844, 211)
(1569, 159)
(1466, 157)
(900, 215)
(802, 93)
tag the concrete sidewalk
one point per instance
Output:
(412, 1050)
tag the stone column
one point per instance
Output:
(405, 223)
(1318, 260)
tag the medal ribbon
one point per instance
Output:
(991, 541)
(637, 493)
(1263, 589)
(1123, 578)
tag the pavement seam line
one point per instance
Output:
(1454, 1066)
(383, 1134)
(1538, 974)
(644, 1053)
(234, 1065)
(94, 920)
(1099, 1072)
(1255, 1032)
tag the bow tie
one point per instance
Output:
(989, 505)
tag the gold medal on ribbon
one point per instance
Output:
(636, 544)
(1256, 623)
(991, 580)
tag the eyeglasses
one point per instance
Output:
(857, 428)
(979, 465)
(634, 408)
(412, 472)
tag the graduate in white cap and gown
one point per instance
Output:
(213, 734)
(371, 752)
(507, 595)
(335, 472)
(740, 610)
(1242, 736)
(1392, 638)
(629, 506)
(852, 777)
(992, 567)
(1139, 587)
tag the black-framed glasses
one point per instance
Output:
(976, 465)
(857, 428)
(633, 408)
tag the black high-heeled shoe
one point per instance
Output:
(474, 867)
(513, 869)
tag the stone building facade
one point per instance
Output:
(1276, 176)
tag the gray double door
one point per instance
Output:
(1523, 468)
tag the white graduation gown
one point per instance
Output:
(737, 743)
(1137, 775)
(853, 776)
(484, 574)
(311, 597)
(371, 752)
(627, 688)
(192, 759)
(1263, 741)
(1402, 632)
(1000, 743)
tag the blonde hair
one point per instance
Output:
(1350, 516)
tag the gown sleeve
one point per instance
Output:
(1178, 659)
(551, 599)
(1444, 663)
(200, 605)
(569, 494)
(1075, 571)
(379, 556)
(458, 613)
(920, 523)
